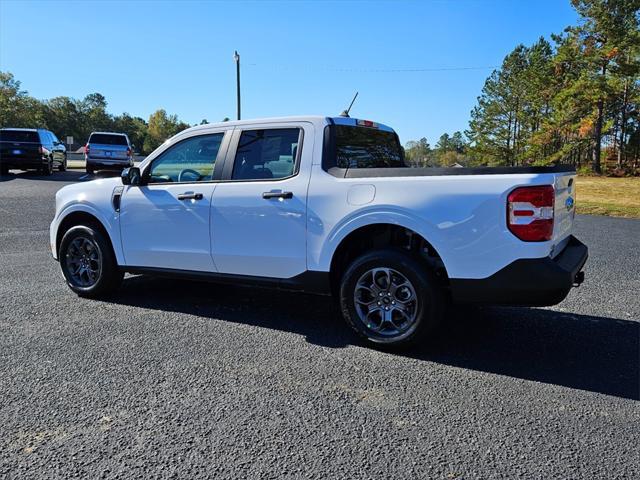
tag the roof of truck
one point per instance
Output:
(110, 133)
(315, 119)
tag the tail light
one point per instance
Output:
(86, 149)
(129, 152)
(41, 150)
(530, 213)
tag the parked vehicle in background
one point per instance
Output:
(31, 149)
(326, 205)
(108, 151)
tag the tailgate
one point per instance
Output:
(564, 209)
(115, 152)
(19, 150)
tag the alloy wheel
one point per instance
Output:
(84, 262)
(386, 302)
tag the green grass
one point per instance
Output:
(616, 197)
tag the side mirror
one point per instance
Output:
(131, 176)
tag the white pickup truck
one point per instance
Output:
(326, 205)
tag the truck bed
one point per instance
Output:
(437, 171)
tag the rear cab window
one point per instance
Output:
(24, 136)
(361, 144)
(108, 139)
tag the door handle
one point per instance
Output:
(285, 195)
(190, 196)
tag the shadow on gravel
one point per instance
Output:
(577, 351)
(597, 354)
(313, 316)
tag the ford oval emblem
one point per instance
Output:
(569, 203)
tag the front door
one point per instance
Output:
(164, 223)
(259, 210)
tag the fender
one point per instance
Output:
(380, 214)
(110, 223)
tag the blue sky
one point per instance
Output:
(297, 57)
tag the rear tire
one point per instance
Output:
(47, 169)
(391, 299)
(88, 263)
(90, 170)
(4, 170)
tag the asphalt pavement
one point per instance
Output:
(173, 379)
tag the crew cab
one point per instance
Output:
(31, 148)
(326, 205)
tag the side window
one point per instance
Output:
(45, 137)
(54, 139)
(191, 160)
(266, 154)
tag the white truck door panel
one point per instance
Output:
(255, 236)
(258, 226)
(165, 223)
(161, 229)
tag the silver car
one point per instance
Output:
(108, 151)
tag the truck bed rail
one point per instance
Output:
(437, 171)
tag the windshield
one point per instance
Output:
(108, 139)
(19, 136)
(361, 147)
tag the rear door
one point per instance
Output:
(165, 222)
(46, 138)
(259, 210)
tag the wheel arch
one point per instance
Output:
(83, 217)
(380, 235)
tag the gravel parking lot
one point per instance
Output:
(190, 380)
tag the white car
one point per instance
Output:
(326, 205)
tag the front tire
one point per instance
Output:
(88, 263)
(63, 164)
(391, 299)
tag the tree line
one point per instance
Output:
(574, 99)
(67, 116)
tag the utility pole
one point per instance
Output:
(236, 57)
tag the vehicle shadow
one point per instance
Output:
(586, 352)
(591, 353)
(68, 176)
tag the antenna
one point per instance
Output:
(345, 113)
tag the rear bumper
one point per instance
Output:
(22, 162)
(527, 282)
(104, 164)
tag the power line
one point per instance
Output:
(369, 70)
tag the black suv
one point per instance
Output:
(31, 148)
